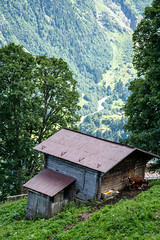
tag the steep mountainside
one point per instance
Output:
(94, 37)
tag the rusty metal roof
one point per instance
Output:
(49, 182)
(92, 152)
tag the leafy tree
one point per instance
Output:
(37, 98)
(143, 105)
(58, 97)
(16, 115)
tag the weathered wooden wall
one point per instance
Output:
(44, 206)
(37, 205)
(117, 177)
(86, 185)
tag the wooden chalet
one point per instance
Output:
(80, 166)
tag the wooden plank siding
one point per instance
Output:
(117, 177)
(37, 205)
(41, 205)
(86, 178)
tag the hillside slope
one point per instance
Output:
(94, 37)
(138, 218)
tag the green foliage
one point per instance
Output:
(14, 211)
(17, 109)
(143, 105)
(108, 126)
(108, 123)
(70, 31)
(37, 98)
(57, 96)
(128, 219)
(14, 226)
(154, 182)
(85, 34)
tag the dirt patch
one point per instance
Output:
(85, 216)
(51, 237)
(123, 194)
(157, 214)
(69, 227)
(81, 218)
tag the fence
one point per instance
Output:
(16, 197)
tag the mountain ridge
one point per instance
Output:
(93, 37)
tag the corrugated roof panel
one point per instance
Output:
(85, 150)
(49, 182)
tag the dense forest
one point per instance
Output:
(94, 38)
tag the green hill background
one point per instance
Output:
(94, 38)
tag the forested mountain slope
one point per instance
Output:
(94, 37)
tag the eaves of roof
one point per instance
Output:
(88, 151)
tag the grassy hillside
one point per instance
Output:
(94, 37)
(128, 219)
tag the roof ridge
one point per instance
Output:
(102, 139)
(79, 148)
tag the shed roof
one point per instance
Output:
(89, 151)
(49, 182)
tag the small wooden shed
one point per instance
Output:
(80, 166)
(47, 193)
